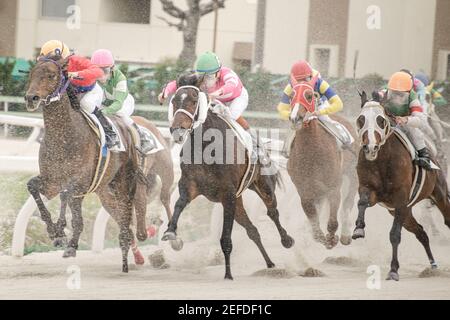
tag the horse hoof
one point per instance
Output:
(60, 242)
(139, 258)
(168, 235)
(287, 242)
(125, 268)
(332, 241)
(177, 244)
(346, 240)
(393, 276)
(358, 233)
(70, 253)
(228, 277)
(270, 265)
(141, 236)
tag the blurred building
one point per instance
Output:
(412, 34)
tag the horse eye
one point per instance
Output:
(360, 122)
(381, 122)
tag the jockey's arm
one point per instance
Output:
(334, 100)
(120, 93)
(232, 82)
(417, 117)
(86, 71)
(284, 107)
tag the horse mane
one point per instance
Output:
(72, 94)
(189, 79)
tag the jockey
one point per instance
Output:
(302, 71)
(83, 75)
(436, 97)
(117, 99)
(403, 103)
(223, 85)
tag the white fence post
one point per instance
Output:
(98, 238)
(5, 128)
(20, 227)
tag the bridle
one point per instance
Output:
(385, 133)
(195, 117)
(60, 89)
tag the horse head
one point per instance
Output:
(188, 108)
(47, 82)
(373, 125)
(303, 103)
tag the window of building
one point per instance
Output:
(325, 59)
(55, 8)
(242, 54)
(443, 66)
(448, 67)
(126, 11)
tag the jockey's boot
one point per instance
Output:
(147, 143)
(424, 159)
(110, 135)
(286, 151)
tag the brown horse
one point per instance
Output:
(386, 173)
(317, 167)
(68, 158)
(217, 181)
(159, 165)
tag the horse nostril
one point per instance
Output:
(366, 148)
(376, 148)
(171, 130)
(35, 98)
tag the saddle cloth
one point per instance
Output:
(245, 139)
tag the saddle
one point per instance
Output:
(245, 139)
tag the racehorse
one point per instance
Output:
(317, 167)
(386, 173)
(69, 158)
(217, 181)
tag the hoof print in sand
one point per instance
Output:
(341, 261)
(274, 273)
(312, 273)
(158, 261)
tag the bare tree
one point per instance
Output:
(188, 21)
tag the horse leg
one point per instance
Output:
(363, 204)
(77, 227)
(269, 198)
(395, 238)
(347, 206)
(309, 207)
(35, 186)
(118, 205)
(61, 240)
(229, 209)
(413, 226)
(335, 202)
(441, 197)
(140, 206)
(182, 202)
(243, 219)
(167, 177)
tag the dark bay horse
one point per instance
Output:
(69, 155)
(218, 182)
(386, 173)
(317, 167)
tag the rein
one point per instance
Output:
(59, 91)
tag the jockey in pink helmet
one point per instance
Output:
(117, 99)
